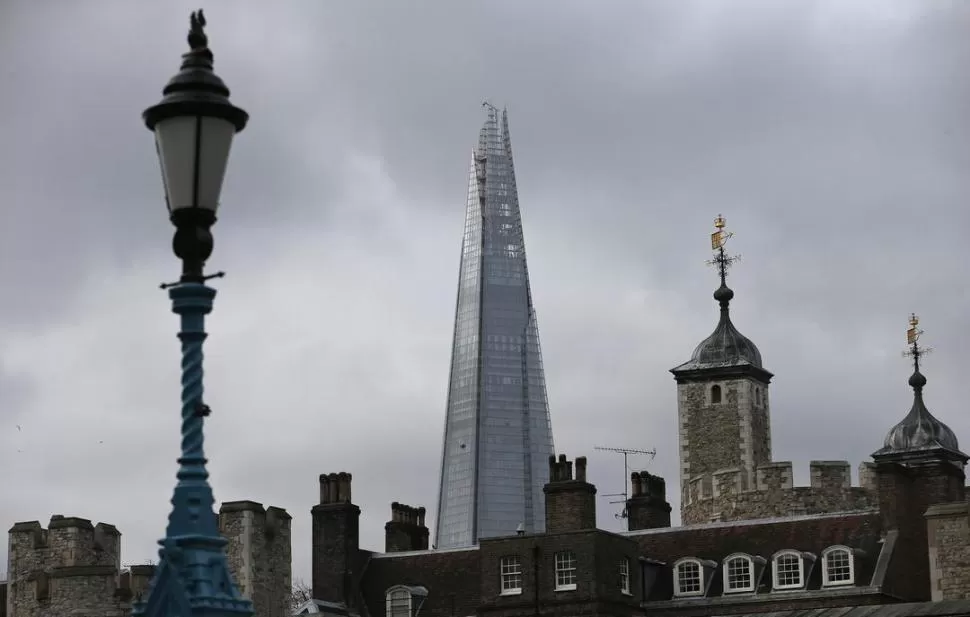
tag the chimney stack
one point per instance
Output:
(647, 507)
(570, 502)
(406, 531)
(336, 541)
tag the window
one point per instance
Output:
(837, 566)
(757, 397)
(738, 574)
(715, 395)
(511, 568)
(788, 570)
(625, 576)
(398, 603)
(565, 571)
(688, 578)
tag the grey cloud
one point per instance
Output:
(832, 136)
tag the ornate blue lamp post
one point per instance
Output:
(194, 125)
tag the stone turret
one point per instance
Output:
(259, 554)
(722, 401)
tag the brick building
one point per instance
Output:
(752, 542)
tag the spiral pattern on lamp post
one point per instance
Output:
(193, 456)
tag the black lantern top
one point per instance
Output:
(196, 90)
(194, 125)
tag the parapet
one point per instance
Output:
(335, 488)
(562, 470)
(273, 521)
(730, 494)
(67, 541)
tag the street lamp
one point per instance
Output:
(194, 125)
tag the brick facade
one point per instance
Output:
(520, 575)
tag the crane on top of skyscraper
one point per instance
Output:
(626, 473)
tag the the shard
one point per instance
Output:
(498, 434)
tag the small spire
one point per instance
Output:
(920, 430)
(722, 261)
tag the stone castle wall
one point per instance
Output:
(74, 567)
(948, 529)
(733, 431)
(259, 554)
(727, 495)
(70, 567)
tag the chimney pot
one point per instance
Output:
(581, 468)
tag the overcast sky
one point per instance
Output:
(834, 137)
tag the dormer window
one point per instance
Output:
(738, 574)
(688, 578)
(398, 603)
(838, 566)
(511, 567)
(715, 394)
(788, 570)
(404, 601)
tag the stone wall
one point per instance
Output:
(259, 554)
(70, 567)
(730, 430)
(725, 495)
(74, 567)
(948, 528)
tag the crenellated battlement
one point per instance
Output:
(74, 567)
(729, 494)
(68, 541)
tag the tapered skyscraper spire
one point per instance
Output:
(498, 435)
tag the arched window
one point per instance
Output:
(757, 397)
(738, 574)
(398, 602)
(788, 570)
(715, 394)
(838, 566)
(688, 578)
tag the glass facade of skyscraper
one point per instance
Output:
(498, 434)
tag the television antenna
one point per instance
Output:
(626, 473)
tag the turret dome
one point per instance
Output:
(919, 430)
(725, 347)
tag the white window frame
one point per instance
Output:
(774, 569)
(700, 577)
(625, 576)
(388, 598)
(565, 570)
(510, 575)
(825, 566)
(726, 569)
